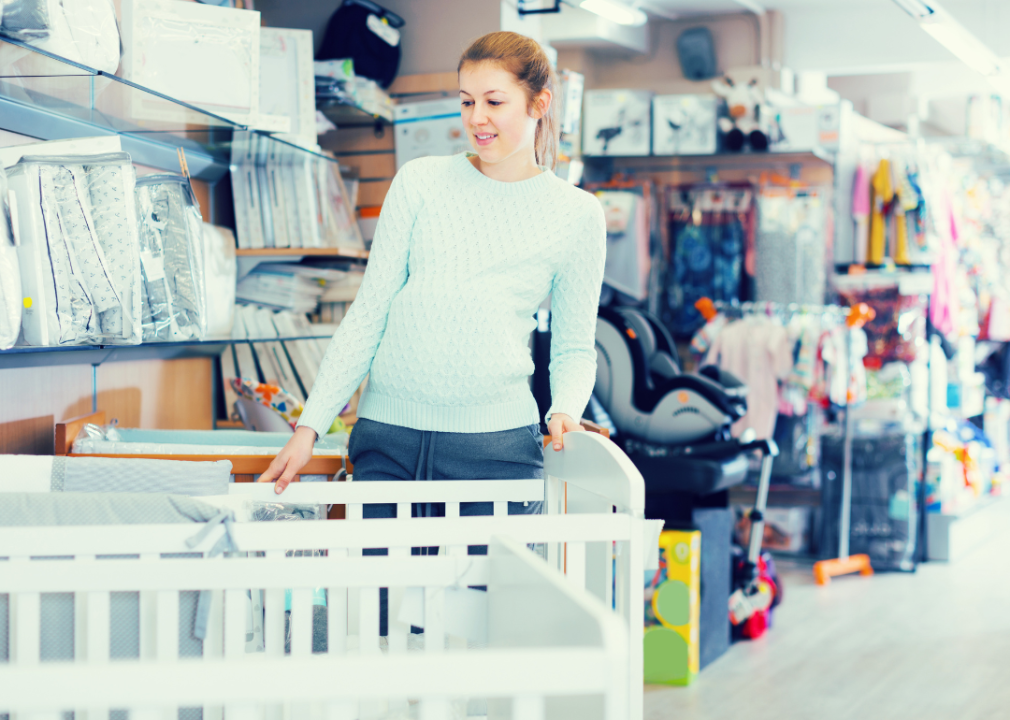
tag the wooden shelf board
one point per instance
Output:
(292, 252)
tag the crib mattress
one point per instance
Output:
(201, 442)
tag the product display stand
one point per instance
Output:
(846, 564)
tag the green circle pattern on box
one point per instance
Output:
(672, 603)
(665, 656)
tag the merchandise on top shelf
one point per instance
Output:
(428, 128)
(791, 252)
(368, 34)
(10, 274)
(684, 124)
(287, 80)
(220, 270)
(200, 54)
(84, 32)
(807, 127)
(572, 90)
(78, 249)
(172, 257)
(617, 122)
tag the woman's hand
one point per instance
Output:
(558, 426)
(293, 457)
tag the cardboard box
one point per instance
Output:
(673, 610)
(617, 122)
(684, 124)
(428, 128)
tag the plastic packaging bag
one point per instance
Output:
(10, 274)
(82, 31)
(220, 272)
(77, 236)
(172, 259)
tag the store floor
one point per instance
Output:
(934, 645)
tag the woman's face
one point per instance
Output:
(496, 113)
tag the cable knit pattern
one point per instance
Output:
(459, 265)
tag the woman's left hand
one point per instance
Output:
(559, 425)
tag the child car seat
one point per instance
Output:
(641, 386)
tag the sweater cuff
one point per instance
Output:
(318, 419)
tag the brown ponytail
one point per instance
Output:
(524, 58)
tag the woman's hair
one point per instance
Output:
(524, 58)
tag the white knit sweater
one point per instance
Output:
(459, 265)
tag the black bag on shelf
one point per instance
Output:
(884, 516)
(357, 31)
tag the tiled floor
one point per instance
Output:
(934, 645)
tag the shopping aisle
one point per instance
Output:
(929, 646)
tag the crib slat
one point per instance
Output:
(301, 622)
(434, 620)
(25, 623)
(355, 511)
(167, 633)
(96, 635)
(273, 616)
(368, 632)
(501, 508)
(234, 623)
(336, 604)
(213, 646)
(575, 564)
(402, 511)
(528, 707)
(434, 709)
(452, 511)
(397, 631)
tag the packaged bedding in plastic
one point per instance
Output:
(10, 274)
(82, 31)
(220, 270)
(172, 259)
(77, 247)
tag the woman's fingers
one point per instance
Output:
(286, 477)
(275, 468)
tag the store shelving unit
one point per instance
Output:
(347, 116)
(50, 98)
(356, 253)
(21, 356)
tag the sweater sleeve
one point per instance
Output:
(352, 348)
(574, 304)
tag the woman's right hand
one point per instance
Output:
(291, 459)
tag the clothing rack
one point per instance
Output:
(854, 317)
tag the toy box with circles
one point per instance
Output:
(673, 610)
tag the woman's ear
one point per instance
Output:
(542, 103)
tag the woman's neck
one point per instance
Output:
(513, 169)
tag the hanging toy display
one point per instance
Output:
(748, 120)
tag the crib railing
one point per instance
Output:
(551, 651)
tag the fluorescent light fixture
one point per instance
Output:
(615, 11)
(959, 41)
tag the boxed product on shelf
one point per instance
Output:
(684, 124)
(617, 122)
(76, 229)
(204, 55)
(171, 252)
(572, 90)
(808, 127)
(287, 80)
(433, 127)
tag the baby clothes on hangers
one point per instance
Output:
(703, 339)
(861, 213)
(758, 351)
(883, 194)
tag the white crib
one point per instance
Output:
(552, 649)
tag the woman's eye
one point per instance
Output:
(495, 103)
(467, 103)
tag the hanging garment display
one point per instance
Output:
(708, 236)
(82, 31)
(628, 263)
(171, 251)
(10, 274)
(882, 195)
(792, 254)
(78, 249)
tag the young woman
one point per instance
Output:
(466, 249)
